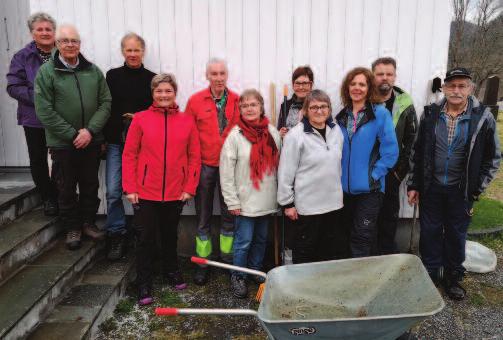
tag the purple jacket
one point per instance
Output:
(23, 69)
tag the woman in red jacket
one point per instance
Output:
(160, 171)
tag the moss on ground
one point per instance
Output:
(488, 213)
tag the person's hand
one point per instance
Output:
(283, 131)
(133, 198)
(83, 139)
(235, 212)
(413, 197)
(184, 197)
(128, 115)
(291, 213)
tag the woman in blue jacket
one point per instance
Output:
(370, 150)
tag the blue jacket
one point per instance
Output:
(371, 153)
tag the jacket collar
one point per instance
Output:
(309, 128)
(171, 110)
(369, 115)
(58, 65)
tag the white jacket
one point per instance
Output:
(235, 182)
(309, 174)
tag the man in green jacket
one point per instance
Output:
(72, 101)
(399, 104)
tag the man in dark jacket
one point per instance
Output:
(454, 158)
(399, 103)
(23, 69)
(72, 101)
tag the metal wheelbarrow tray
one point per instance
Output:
(365, 298)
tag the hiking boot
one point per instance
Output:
(117, 247)
(175, 279)
(201, 275)
(92, 231)
(51, 208)
(452, 286)
(436, 276)
(257, 279)
(73, 239)
(238, 286)
(145, 296)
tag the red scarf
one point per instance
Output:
(264, 156)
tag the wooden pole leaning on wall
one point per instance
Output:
(272, 101)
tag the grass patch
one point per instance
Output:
(108, 325)
(477, 299)
(488, 213)
(169, 298)
(492, 242)
(124, 307)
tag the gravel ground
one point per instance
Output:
(480, 316)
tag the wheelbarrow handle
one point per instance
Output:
(200, 260)
(168, 311)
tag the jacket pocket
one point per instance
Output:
(144, 175)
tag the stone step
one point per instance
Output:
(29, 295)
(24, 238)
(17, 195)
(88, 303)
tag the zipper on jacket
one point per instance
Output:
(81, 100)
(349, 162)
(165, 146)
(144, 175)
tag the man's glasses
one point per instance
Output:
(69, 41)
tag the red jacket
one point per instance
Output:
(162, 157)
(202, 106)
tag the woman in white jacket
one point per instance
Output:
(309, 183)
(248, 166)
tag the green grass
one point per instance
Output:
(124, 307)
(487, 213)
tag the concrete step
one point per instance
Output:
(17, 195)
(88, 303)
(24, 238)
(27, 297)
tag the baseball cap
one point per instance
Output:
(457, 72)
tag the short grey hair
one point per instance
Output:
(319, 96)
(40, 16)
(63, 26)
(164, 78)
(214, 61)
(132, 35)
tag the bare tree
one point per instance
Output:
(460, 10)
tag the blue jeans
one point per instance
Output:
(249, 245)
(116, 217)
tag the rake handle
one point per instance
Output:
(199, 260)
(169, 311)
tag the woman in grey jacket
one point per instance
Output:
(309, 182)
(248, 166)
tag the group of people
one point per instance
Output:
(335, 176)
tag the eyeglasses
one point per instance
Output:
(252, 105)
(461, 87)
(315, 108)
(302, 83)
(69, 41)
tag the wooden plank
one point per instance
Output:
(149, 10)
(234, 42)
(184, 61)
(371, 28)
(201, 50)
(319, 42)
(267, 49)
(167, 40)
(301, 32)
(335, 50)
(284, 47)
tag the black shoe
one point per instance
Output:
(73, 238)
(257, 279)
(201, 275)
(51, 208)
(175, 279)
(238, 286)
(117, 247)
(145, 296)
(452, 286)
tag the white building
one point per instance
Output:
(263, 41)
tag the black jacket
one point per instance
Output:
(130, 89)
(284, 114)
(482, 151)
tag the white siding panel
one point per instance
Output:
(116, 30)
(167, 37)
(251, 45)
(216, 37)
(267, 49)
(84, 23)
(354, 31)
(388, 30)
(132, 17)
(406, 42)
(66, 11)
(100, 41)
(319, 42)
(284, 48)
(335, 50)
(184, 52)
(234, 42)
(201, 49)
(149, 10)
(301, 32)
(371, 28)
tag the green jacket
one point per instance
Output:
(67, 100)
(405, 121)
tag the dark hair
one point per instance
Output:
(164, 78)
(318, 95)
(254, 94)
(385, 61)
(372, 94)
(303, 71)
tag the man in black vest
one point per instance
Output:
(455, 157)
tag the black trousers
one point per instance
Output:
(319, 238)
(37, 151)
(388, 217)
(157, 218)
(360, 216)
(77, 167)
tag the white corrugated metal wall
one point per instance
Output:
(263, 41)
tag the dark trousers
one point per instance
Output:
(77, 167)
(360, 216)
(388, 217)
(37, 151)
(444, 216)
(157, 218)
(319, 238)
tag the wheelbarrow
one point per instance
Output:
(374, 298)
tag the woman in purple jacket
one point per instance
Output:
(22, 72)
